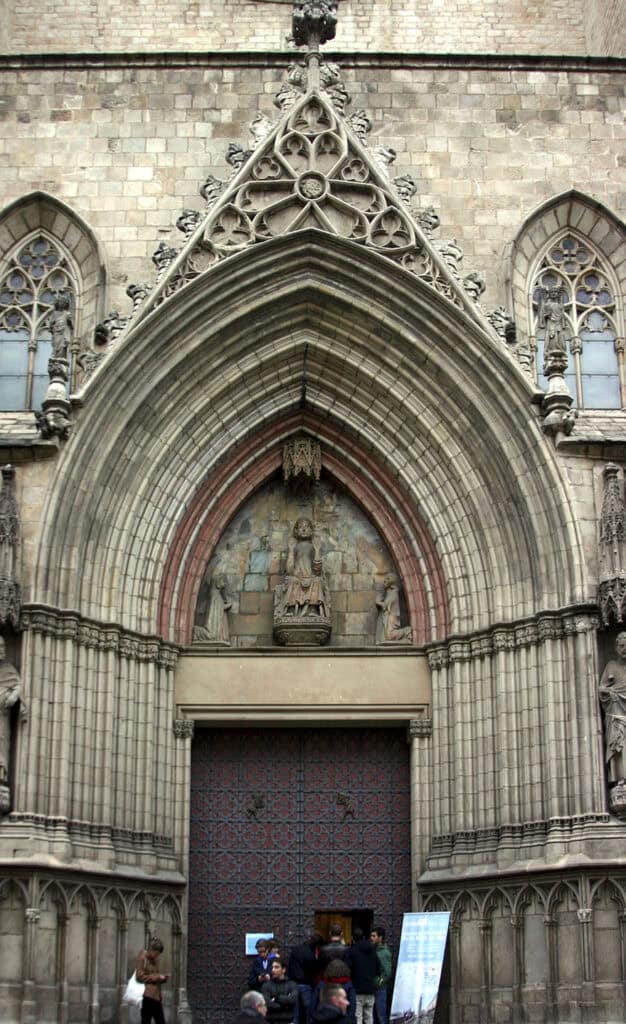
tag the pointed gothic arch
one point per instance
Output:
(40, 215)
(434, 399)
(589, 219)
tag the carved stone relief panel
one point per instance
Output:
(251, 561)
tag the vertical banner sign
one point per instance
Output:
(422, 949)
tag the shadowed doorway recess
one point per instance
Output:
(285, 822)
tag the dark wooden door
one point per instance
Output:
(285, 822)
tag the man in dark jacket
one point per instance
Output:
(332, 1007)
(280, 994)
(334, 949)
(364, 970)
(303, 969)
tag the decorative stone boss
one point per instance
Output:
(302, 600)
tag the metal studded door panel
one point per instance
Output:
(285, 822)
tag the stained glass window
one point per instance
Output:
(37, 274)
(573, 267)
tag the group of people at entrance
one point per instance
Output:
(321, 982)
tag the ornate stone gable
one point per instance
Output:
(311, 171)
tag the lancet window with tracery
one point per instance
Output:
(37, 273)
(587, 295)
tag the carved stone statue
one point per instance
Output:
(216, 628)
(612, 694)
(61, 326)
(428, 220)
(553, 320)
(10, 694)
(388, 628)
(302, 600)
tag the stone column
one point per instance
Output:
(183, 732)
(588, 989)
(419, 735)
(94, 960)
(485, 928)
(29, 1002)
(122, 961)
(517, 925)
(439, 661)
(552, 1009)
(61, 967)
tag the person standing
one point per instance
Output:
(334, 949)
(364, 970)
(148, 973)
(303, 968)
(280, 994)
(383, 955)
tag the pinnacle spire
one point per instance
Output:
(314, 22)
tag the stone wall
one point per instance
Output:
(128, 147)
(449, 26)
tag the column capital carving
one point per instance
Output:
(183, 728)
(32, 914)
(584, 915)
(419, 728)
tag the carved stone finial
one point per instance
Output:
(451, 253)
(302, 464)
(361, 124)
(162, 257)
(188, 221)
(213, 187)
(236, 156)
(406, 187)
(314, 22)
(612, 586)
(428, 220)
(475, 285)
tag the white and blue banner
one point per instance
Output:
(420, 960)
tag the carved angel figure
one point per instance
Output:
(552, 319)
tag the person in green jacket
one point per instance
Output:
(383, 955)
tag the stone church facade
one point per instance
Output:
(312, 521)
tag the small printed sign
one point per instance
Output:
(420, 961)
(252, 938)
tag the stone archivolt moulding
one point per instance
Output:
(530, 632)
(106, 637)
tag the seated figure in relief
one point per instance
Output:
(215, 628)
(612, 694)
(303, 591)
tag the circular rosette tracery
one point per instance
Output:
(231, 230)
(391, 230)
